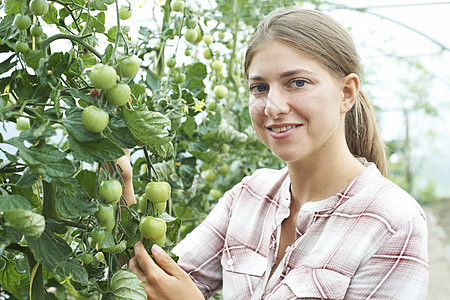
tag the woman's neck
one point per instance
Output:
(315, 179)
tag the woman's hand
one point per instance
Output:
(163, 280)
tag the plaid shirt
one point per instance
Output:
(366, 242)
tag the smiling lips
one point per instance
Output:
(283, 128)
(282, 131)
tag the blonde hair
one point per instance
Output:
(322, 38)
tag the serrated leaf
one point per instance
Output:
(51, 17)
(32, 58)
(88, 180)
(7, 65)
(10, 279)
(126, 285)
(72, 201)
(45, 161)
(148, 127)
(54, 254)
(10, 202)
(100, 151)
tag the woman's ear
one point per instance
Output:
(350, 90)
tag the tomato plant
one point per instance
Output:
(52, 202)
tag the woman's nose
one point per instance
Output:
(276, 104)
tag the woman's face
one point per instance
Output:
(297, 107)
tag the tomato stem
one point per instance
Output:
(49, 202)
(36, 277)
(78, 39)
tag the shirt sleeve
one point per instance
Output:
(201, 251)
(399, 268)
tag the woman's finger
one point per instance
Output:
(166, 263)
(145, 262)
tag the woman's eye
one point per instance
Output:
(298, 83)
(258, 89)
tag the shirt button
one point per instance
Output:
(230, 262)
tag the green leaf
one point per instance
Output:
(7, 65)
(30, 224)
(173, 226)
(88, 180)
(129, 223)
(72, 201)
(45, 161)
(148, 127)
(10, 202)
(163, 151)
(4, 242)
(127, 285)
(32, 58)
(202, 152)
(99, 151)
(13, 7)
(54, 254)
(153, 81)
(120, 133)
(10, 279)
(51, 17)
(164, 170)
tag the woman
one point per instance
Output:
(329, 225)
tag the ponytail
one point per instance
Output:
(363, 135)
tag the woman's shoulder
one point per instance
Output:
(386, 200)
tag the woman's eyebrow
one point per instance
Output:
(285, 74)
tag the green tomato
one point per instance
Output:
(108, 225)
(190, 35)
(171, 62)
(160, 242)
(187, 52)
(192, 22)
(125, 12)
(220, 91)
(207, 53)
(36, 30)
(215, 193)
(94, 119)
(160, 207)
(87, 258)
(22, 21)
(208, 39)
(210, 176)
(103, 76)
(152, 228)
(179, 78)
(118, 94)
(110, 191)
(105, 212)
(39, 7)
(98, 235)
(21, 47)
(199, 35)
(158, 192)
(217, 65)
(129, 66)
(224, 169)
(225, 148)
(177, 6)
(22, 123)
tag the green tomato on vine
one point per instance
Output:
(158, 192)
(103, 76)
(129, 66)
(110, 191)
(39, 7)
(118, 94)
(125, 12)
(152, 228)
(23, 22)
(94, 119)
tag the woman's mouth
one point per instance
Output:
(282, 129)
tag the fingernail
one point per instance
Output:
(156, 249)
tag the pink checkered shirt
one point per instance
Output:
(367, 242)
